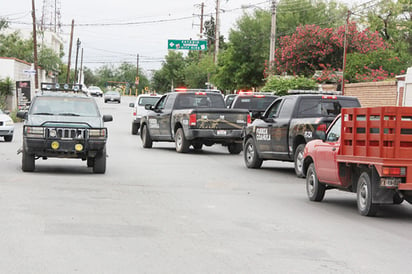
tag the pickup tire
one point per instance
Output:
(181, 143)
(250, 155)
(90, 161)
(146, 139)
(364, 196)
(235, 148)
(8, 138)
(135, 129)
(99, 165)
(314, 189)
(298, 160)
(27, 162)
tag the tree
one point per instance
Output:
(197, 73)
(393, 21)
(172, 73)
(6, 89)
(244, 58)
(312, 48)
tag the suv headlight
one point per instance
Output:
(34, 132)
(100, 133)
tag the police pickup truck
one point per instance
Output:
(63, 122)
(194, 117)
(288, 124)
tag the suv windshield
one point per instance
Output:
(148, 100)
(70, 106)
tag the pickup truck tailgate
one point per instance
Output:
(221, 118)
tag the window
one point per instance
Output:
(160, 104)
(273, 111)
(64, 106)
(287, 108)
(148, 100)
(334, 132)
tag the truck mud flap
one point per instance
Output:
(380, 195)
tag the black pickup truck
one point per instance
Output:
(194, 118)
(288, 124)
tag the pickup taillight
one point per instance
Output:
(192, 120)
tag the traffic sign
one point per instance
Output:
(187, 44)
(29, 71)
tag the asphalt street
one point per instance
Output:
(158, 211)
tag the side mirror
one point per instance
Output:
(257, 114)
(148, 107)
(107, 118)
(131, 105)
(22, 114)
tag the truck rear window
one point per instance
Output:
(313, 107)
(201, 100)
(148, 100)
(253, 103)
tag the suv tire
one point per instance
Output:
(27, 163)
(8, 138)
(135, 129)
(99, 165)
(250, 155)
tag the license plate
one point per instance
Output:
(221, 132)
(390, 182)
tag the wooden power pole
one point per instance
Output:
(70, 53)
(36, 77)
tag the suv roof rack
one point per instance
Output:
(321, 92)
(76, 88)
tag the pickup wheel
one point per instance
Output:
(298, 160)
(235, 148)
(197, 146)
(314, 189)
(145, 136)
(8, 138)
(99, 165)
(135, 129)
(251, 156)
(182, 144)
(364, 196)
(27, 162)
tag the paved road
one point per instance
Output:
(157, 211)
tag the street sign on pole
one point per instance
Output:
(29, 71)
(187, 44)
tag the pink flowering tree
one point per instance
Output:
(312, 48)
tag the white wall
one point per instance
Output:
(408, 88)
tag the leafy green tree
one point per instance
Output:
(197, 73)
(172, 73)
(248, 48)
(6, 89)
(281, 85)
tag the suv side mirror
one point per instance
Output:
(107, 118)
(131, 105)
(22, 114)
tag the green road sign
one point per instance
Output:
(187, 44)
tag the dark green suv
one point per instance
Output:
(64, 123)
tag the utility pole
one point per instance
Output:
(137, 75)
(77, 55)
(345, 47)
(202, 7)
(81, 68)
(217, 33)
(272, 37)
(36, 77)
(70, 53)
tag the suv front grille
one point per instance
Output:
(66, 133)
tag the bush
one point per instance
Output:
(281, 85)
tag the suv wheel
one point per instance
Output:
(145, 136)
(234, 148)
(250, 155)
(8, 138)
(182, 145)
(298, 160)
(99, 165)
(27, 163)
(135, 129)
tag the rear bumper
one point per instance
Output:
(42, 148)
(216, 136)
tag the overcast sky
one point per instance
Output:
(147, 25)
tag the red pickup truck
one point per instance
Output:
(367, 151)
